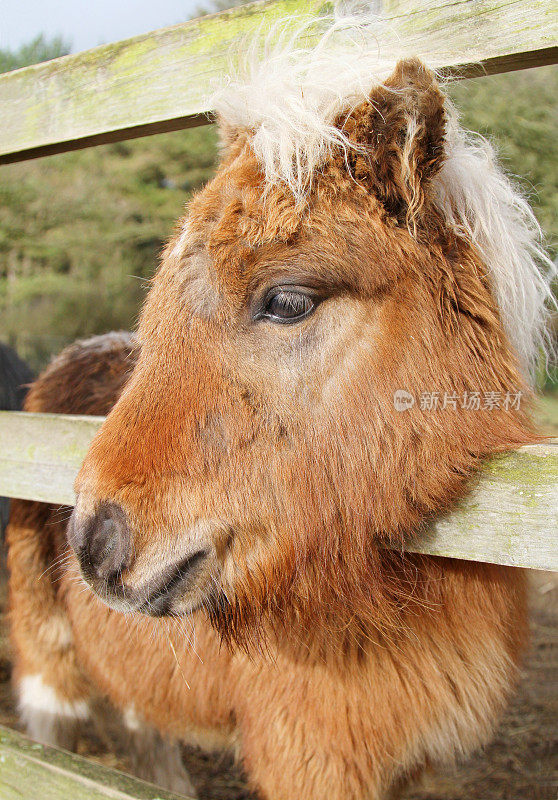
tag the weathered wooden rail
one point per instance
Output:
(158, 82)
(31, 770)
(510, 517)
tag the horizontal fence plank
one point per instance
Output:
(40, 454)
(159, 81)
(30, 770)
(510, 517)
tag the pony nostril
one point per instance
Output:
(102, 543)
(104, 547)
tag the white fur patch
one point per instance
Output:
(295, 81)
(131, 719)
(36, 695)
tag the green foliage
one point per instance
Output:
(81, 233)
(39, 49)
(518, 112)
(215, 6)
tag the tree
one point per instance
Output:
(38, 49)
(215, 6)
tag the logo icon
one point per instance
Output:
(403, 400)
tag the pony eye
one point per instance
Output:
(287, 306)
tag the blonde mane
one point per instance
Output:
(288, 88)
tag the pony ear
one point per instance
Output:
(398, 138)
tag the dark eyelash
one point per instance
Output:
(287, 305)
(293, 301)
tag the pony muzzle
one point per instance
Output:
(104, 547)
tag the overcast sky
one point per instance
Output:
(87, 23)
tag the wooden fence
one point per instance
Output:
(155, 83)
(159, 81)
(510, 517)
(30, 770)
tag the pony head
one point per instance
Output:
(339, 332)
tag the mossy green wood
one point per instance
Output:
(160, 81)
(40, 454)
(510, 516)
(31, 771)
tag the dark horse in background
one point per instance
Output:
(15, 377)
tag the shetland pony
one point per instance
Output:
(234, 572)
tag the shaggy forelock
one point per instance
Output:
(290, 90)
